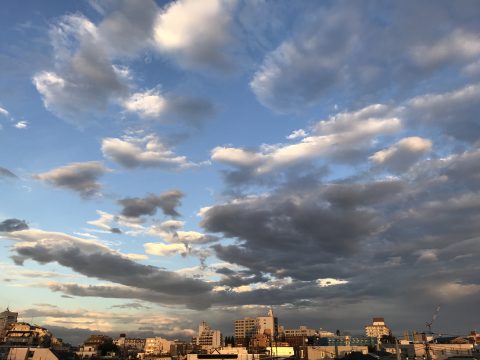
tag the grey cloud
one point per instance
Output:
(96, 260)
(78, 177)
(88, 74)
(322, 59)
(116, 292)
(282, 229)
(454, 112)
(7, 173)
(84, 80)
(133, 305)
(190, 110)
(166, 201)
(115, 230)
(128, 27)
(144, 152)
(10, 225)
(402, 155)
(302, 69)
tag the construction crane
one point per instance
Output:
(429, 324)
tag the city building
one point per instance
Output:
(234, 353)
(92, 347)
(436, 351)
(330, 352)
(297, 337)
(157, 346)
(24, 334)
(247, 328)
(208, 338)
(377, 328)
(7, 317)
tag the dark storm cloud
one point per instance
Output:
(10, 225)
(7, 173)
(238, 278)
(297, 234)
(115, 230)
(78, 177)
(116, 292)
(166, 201)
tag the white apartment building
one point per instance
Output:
(249, 327)
(377, 328)
(208, 338)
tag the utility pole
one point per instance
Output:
(397, 350)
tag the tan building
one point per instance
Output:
(157, 346)
(377, 328)
(31, 354)
(24, 334)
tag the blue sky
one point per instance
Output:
(207, 159)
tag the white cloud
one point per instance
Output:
(330, 282)
(148, 151)
(196, 32)
(400, 156)
(3, 112)
(21, 124)
(339, 133)
(170, 232)
(160, 249)
(300, 133)
(104, 221)
(148, 104)
(136, 256)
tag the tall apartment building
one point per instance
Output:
(7, 317)
(377, 328)
(248, 327)
(208, 338)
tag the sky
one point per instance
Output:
(164, 163)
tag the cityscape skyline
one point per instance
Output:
(168, 162)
